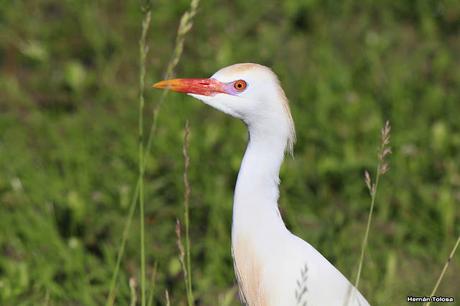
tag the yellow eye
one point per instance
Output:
(240, 85)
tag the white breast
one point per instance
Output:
(289, 272)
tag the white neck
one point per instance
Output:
(255, 208)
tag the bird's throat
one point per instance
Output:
(255, 206)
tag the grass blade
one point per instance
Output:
(121, 250)
(444, 269)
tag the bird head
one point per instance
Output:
(250, 92)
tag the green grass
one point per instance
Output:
(69, 148)
(143, 51)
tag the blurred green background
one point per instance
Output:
(68, 142)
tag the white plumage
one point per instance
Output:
(273, 266)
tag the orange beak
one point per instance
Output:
(205, 87)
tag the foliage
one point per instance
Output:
(69, 137)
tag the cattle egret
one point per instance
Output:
(273, 266)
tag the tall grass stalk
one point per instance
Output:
(372, 185)
(143, 50)
(184, 252)
(185, 25)
(444, 269)
(180, 247)
(186, 212)
(153, 282)
(184, 28)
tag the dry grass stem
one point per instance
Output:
(187, 192)
(182, 259)
(180, 247)
(185, 25)
(168, 303)
(132, 290)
